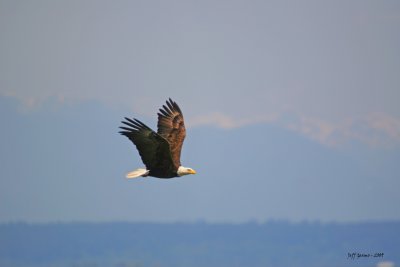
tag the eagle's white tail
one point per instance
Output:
(137, 173)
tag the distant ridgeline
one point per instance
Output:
(199, 244)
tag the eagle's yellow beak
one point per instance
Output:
(192, 171)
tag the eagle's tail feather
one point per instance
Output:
(137, 173)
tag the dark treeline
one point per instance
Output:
(198, 244)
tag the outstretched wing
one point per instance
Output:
(153, 148)
(171, 126)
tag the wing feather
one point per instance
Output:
(171, 126)
(153, 148)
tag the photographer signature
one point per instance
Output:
(357, 255)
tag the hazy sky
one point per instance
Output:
(325, 71)
(329, 65)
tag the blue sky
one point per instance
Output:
(292, 109)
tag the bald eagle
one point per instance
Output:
(160, 151)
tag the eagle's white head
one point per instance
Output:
(185, 171)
